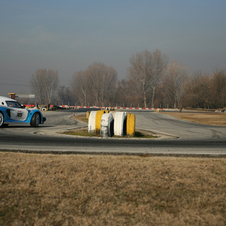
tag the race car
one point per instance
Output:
(12, 112)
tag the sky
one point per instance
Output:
(69, 35)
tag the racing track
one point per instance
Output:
(178, 137)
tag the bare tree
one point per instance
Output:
(146, 71)
(51, 84)
(197, 90)
(95, 85)
(140, 73)
(65, 95)
(102, 81)
(204, 90)
(218, 87)
(80, 85)
(37, 85)
(44, 83)
(158, 69)
(176, 75)
(123, 94)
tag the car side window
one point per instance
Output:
(13, 104)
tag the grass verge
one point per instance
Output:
(84, 132)
(111, 190)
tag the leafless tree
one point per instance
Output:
(65, 96)
(140, 73)
(81, 86)
(124, 94)
(43, 84)
(218, 87)
(176, 75)
(198, 91)
(160, 62)
(146, 71)
(206, 91)
(95, 85)
(51, 84)
(37, 85)
(102, 80)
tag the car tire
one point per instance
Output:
(1, 119)
(35, 121)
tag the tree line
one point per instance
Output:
(152, 81)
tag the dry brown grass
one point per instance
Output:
(81, 117)
(216, 119)
(111, 190)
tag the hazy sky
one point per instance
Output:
(69, 35)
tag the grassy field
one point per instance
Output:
(111, 190)
(216, 119)
(114, 190)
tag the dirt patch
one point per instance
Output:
(111, 190)
(216, 119)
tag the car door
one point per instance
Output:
(18, 114)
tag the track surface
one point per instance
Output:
(178, 137)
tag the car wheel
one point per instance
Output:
(35, 120)
(1, 119)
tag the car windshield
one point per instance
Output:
(13, 104)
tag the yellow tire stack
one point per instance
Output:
(130, 124)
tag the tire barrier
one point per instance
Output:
(87, 114)
(120, 124)
(130, 125)
(98, 120)
(107, 125)
(92, 122)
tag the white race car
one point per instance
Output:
(12, 112)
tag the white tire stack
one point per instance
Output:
(107, 125)
(120, 123)
(92, 122)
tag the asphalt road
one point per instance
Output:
(177, 137)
